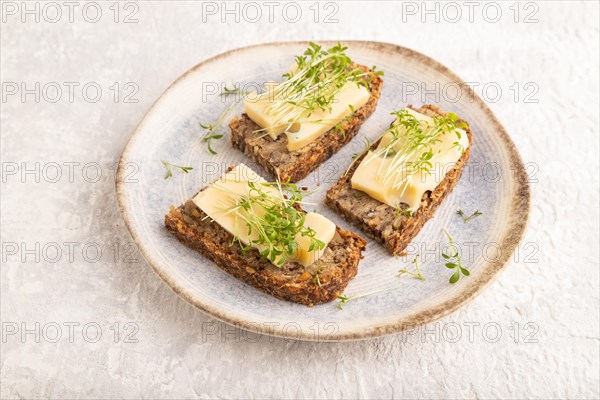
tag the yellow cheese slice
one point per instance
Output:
(324, 231)
(218, 198)
(370, 175)
(313, 126)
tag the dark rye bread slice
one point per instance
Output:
(380, 221)
(277, 160)
(318, 283)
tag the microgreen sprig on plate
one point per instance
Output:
(214, 127)
(210, 136)
(466, 219)
(416, 274)
(453, 260)
(168, 165)
(344, 299)
(230, 92)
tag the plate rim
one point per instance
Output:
(521, 207)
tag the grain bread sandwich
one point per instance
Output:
(394, 187)
(294, 126)
(257, 231)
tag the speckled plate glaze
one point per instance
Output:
(494, 182)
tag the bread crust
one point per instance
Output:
(273, 156)
(380, 221)
(319, 283)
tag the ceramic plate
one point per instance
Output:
(494, 182)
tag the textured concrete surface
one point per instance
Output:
(80, 324)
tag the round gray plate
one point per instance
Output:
(494, 182)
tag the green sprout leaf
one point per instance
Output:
(233, 91)
(455, 261)
(454, 277)
(466, 218)
(168, 165)
(417, 274)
